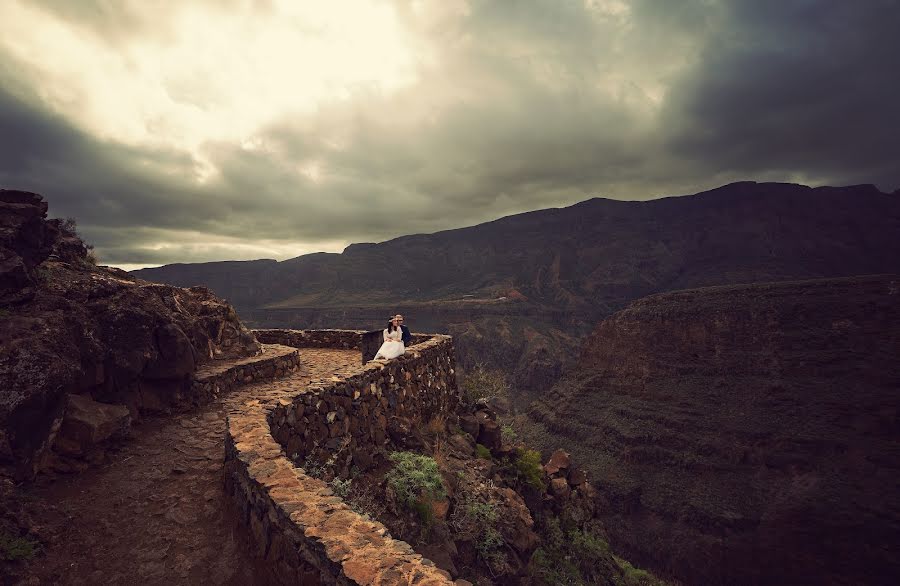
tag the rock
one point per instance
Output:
(470, 425)
(558, 461)
(85, 330)
(489, 435)
(516, 523)
(362, 460)
(462, 443)
(559, 487)
(26, 240)
(88, 423)
(175, 354)
(576, 477)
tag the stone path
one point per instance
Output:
(158, 513)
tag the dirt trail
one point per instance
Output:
(157, 514)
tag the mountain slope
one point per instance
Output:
(598, 252)
(528, 287)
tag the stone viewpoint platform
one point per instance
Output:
(305, 533)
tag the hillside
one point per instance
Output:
(730, 426)
(542, 279)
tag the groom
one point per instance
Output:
(407, 337)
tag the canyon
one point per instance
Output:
(743, 434)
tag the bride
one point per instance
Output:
(393, 341)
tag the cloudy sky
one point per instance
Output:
(195, 130)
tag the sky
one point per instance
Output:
(202, 130)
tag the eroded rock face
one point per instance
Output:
(69, 327)
(744, 435)
(25, 241)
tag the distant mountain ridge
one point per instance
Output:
(597, 252)
(490, 285)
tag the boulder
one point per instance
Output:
(576, 477)
(559, 488)
(489, 435)
(87, 423)
(470, 425)
(558, 461)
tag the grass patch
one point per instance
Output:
(14, 549)
(482, 452)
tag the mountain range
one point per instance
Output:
(523, 291)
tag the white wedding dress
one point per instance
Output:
(393, 345)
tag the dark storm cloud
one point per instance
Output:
(798, 86)
(532, 104)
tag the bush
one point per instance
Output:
(508, 434)
(477, 521)
(482, 383)
(632, 576)
(482, 452)
(415, 478)
(341, 487)
(528, 469)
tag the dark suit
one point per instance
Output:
(407, 337)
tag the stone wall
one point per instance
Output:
(344, 339)
(305, 533)
(275, 361)
(349, 417)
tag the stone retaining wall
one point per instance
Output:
(344, 339)
(347, 419)
(305, 533)
(275, 361)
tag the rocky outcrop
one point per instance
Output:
(25, 241)
(745, 434)
(69, 328)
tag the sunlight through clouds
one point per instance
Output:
(216, 74)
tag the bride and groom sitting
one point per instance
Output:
(396, 339)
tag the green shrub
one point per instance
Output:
(415, 477)
(508, 434)
(528, 469)
(14, 549)
(483, 383)
(477, 521)
(482, 452)
(341, 487)
(632, 576)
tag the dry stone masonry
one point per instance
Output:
(213, 379)
(305, 533)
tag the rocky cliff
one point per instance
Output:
(85, 349)
(522, 291)
(745, 434)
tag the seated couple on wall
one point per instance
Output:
(396, 339)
